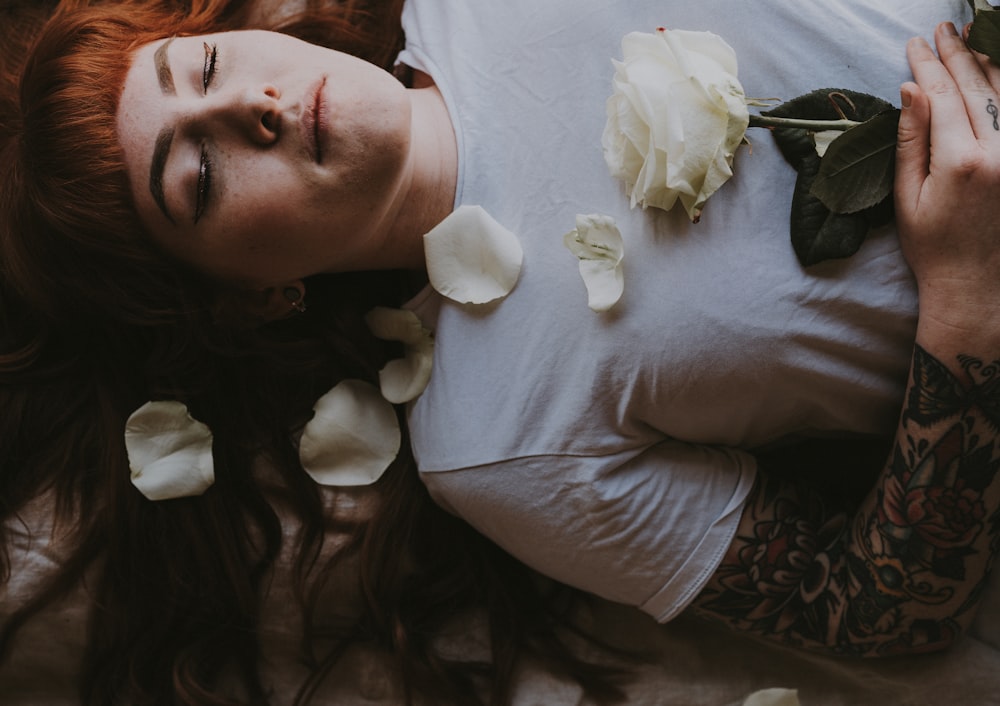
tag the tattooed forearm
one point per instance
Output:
(903, 574)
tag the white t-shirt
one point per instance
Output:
(609, 450)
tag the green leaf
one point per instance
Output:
(816, 233)
(858, 169)
(984, 35)
(980, 5)
(839, 236)
(797, 144)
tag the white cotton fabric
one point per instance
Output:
(611, 450)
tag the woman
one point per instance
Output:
(588, 491)
(186, 579)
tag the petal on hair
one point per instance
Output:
(169, 452)
(471, 258)
(403, 379)
(597, 243)
(352, 438)
(396, 325)
(406, 378)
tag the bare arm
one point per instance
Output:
(904, 572)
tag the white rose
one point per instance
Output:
(676, 118)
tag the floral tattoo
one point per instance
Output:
(901, 576)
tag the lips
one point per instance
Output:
(314, 119)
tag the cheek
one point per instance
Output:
(267, 241)
(256, 206)
(380, 147)
(256, 241)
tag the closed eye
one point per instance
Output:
(204, 184)
(210, 66)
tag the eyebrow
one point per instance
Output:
(162, 63)
(160, 153)
(162, 149)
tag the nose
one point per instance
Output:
(252, 112)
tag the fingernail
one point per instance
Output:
(949, 27)
(905, 97)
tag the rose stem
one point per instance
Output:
(772, 121)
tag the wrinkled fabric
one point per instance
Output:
(611, 450)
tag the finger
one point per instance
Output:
(950, 129)
(978, 94)
(913, 150)
(990, 69)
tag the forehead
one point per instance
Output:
(141, 82)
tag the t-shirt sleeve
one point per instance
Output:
(646, 530)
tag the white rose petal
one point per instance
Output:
(675, 118)
(403, 379)
(823, 138)
(169, 452)
(773, 697)
(597, 243)
(471, 258)
(352, 438)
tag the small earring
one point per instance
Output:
(294, 296)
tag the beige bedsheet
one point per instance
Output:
(694, 663)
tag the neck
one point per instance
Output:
(429, 192)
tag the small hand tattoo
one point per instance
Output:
(992, 109)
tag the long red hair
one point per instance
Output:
(95, 321)
(63, 177)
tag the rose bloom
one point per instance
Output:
(675, 119)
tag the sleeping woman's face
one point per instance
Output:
(259, 158)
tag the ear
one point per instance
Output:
(263, 305)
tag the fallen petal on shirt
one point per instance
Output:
(396, 325)
(471, 258)
(405, 378)
(597, 243)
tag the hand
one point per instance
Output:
(948, 182)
